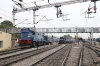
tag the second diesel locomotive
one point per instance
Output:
(62, 40)
(32, 38)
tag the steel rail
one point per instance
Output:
(91, 56)
(81, 56)
(66, 57)
(95, 50)
(45, 57)
(27, 54)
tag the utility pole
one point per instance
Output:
(92, 35)
(13, 16)
(76, 34)
(90, 38)
(34, 11)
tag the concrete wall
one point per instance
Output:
(6, 38)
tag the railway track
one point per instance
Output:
(88, 59)
(93, 61)
(90, 56)
(13, 59)
(12, 51)
(95, 49)
(81, 56)
(56, 59)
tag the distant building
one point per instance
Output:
(5, 41)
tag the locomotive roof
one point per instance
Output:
(33, 30)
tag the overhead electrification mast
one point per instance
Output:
(34, 8)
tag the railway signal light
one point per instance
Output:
(60, 12)
(95, 9)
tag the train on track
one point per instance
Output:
(98, 40)
(31, 38)
(62, 40)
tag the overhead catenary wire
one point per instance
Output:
(40, 14)
(25, 7)
(93, 22)
(46, 18)
(88, 16)
(86, 24)
(9, 13)
(54, 1)
(5, 15)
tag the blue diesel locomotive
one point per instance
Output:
(31, 38)
(62, 40)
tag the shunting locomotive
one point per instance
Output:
(62, 40)
(31, 38)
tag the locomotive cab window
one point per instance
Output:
(1, 44)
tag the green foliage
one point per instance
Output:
(6, 24)
(16, 35)
(67, 37)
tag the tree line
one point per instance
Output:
(6, 24)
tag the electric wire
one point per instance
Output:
(40, 19)
(88, 16)
(47, 19)
(9, 13)
(40, 14)
(54, 1)
(5, 15)
(95, 21)
(32, 13)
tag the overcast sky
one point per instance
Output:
(74, 10)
